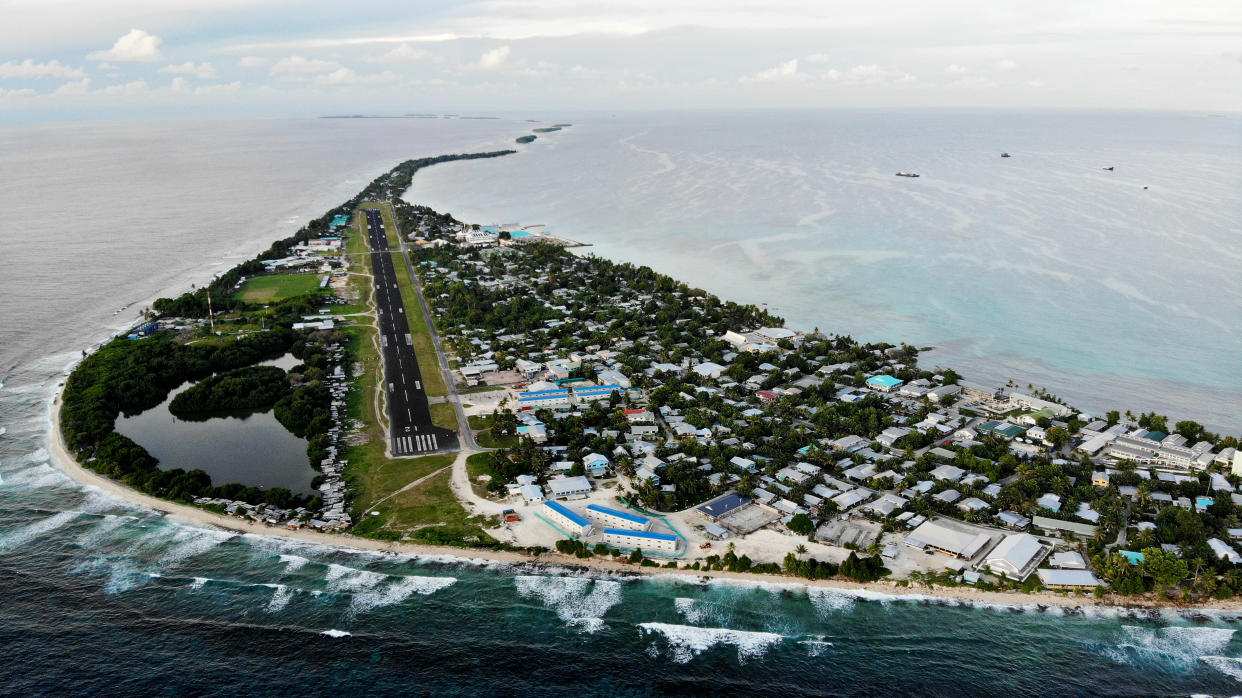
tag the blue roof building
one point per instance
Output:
(616, 517)
(566, 519)
(884, 383)
(646, 540)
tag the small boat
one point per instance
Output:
(1108, 169)
(907, 174)
(1004, 155)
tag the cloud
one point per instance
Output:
(301, 65)
(17, 94)
(219, 88)
(129, 89)
(784, 72)
(74, 88)
(204, 71)
(494, 59)
(405, 53)
(1006, 65)
(253, 61)
(179, 84)
(869, 74)
(136, 46)
(955, 69)
(30, 69)
(816, 58)
(345, 76)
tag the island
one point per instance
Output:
(505, 395)
(525, 139)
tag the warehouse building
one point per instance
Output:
(595, 392)
(577, 486)
(1017, 556)
(646, 540)
(543, 398)
(615, 518)
(950, 541)
(567, 519)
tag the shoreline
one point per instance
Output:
(186, 514)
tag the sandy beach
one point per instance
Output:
(968, 595)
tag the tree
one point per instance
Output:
(801, 523)
(505, 235)
(801, 549)
(1191, 430)
(1166, 569)
(1057, 436)
(636, 556)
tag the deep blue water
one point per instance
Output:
(98, 597)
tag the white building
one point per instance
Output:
(567, 519)
(578, 486)
(645, 540)
(533, 494)
(615, 518)
(937, 536)
(1017, 556)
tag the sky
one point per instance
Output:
(69, 59)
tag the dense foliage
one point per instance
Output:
(249, 388)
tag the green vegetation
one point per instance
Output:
(444, 415)
(131, 377)
(427, 513)
(277, 287)
(525, 139)
(249, 388)
(375, 477)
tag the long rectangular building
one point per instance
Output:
(615, 518)
(567, 519)
(595, 392)
(646, 540)
(935, 535)
(543, 398)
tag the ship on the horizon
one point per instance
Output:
(907, 174)
(1004, 155)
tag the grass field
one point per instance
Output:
(277, 287)
(443, 415)
(476, 465)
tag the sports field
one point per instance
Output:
(276, 287)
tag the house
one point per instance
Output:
(850, 444)
(708, 369)
(743, 463)
(1049, 501)
(947, 472)
(1224, 551)
(595, 464)
(533, 494)
(1068, 579)
(1099, 478)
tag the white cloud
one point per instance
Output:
(74, 88)
(17, 94)
(253, 61)
(204, 71)
(179, 84)
(220, 88)
(32, 70)
(137, 45)
(129, 89)
(869, 74)
(784, 72)
(955, 69)
(406, 53)
(1006, 65)
(345, 76)
(302, 65)
(491, 60)
(816, 58)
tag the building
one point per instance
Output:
(533, 494)
(567, 519)
(1068, 560)
(1224, 551)
(1017, 556)
(596, 464)
(595, 392)
(615, 518)
(1068, 579)
(709, 369)
(722, 505)
(645, 540)
(1048, 524)
(575, 487)
(543, 398)
(950, 541)
(884, 383)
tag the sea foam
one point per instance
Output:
(686, 642)
(579, 601)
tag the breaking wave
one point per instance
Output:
(399, 590)
(685, 642)
(29, 532)
(579, 601)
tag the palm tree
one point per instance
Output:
(801, 549)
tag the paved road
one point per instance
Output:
(409, 416)
(463, 422)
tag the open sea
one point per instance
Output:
(1041, 267)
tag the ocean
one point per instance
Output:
(101, 596)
